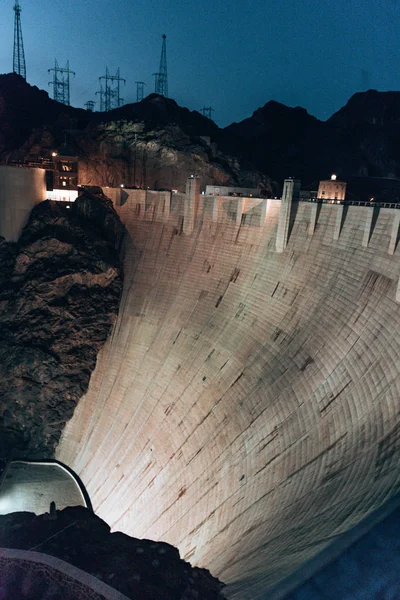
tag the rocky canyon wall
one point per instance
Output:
(60, 286)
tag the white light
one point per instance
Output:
(333, 177)
(122, 185)
(63, 195)
(6, 504)
(54, 153)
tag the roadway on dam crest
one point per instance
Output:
(245, 408)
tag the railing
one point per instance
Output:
(351, 202)
(45, 163)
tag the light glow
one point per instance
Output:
(62, 195)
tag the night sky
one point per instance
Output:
(230, 54)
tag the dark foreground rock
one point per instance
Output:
(59, 295)
(138, 568)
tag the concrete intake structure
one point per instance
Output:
(245, 408)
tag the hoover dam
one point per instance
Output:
(245, 407)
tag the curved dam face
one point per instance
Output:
(246, 407)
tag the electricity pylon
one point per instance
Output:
(207, 111)
(139, 90)
(19, 65)
(110, 92)
(60, 82)
(161, 78)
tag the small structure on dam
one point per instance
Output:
(332, 189)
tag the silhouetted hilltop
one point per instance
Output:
(158, 143)
(364, 135)
(157, 110)
(154, 143)
(274, 137)
(375, 108)
(358, 142)
(24, 107)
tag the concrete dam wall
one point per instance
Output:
(20, 190)
(245, 408)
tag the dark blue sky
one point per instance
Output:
(234, 55)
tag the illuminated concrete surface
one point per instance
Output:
(246, 405)
(32, 486)
(20, 190)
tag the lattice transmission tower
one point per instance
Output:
(60, 83)
(161, 78)
(139, 90)
(19, 65)
(89, 105)
(110, 87)
(207, 111)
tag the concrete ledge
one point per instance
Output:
(22, 558)
(394, 237)
(32, 485)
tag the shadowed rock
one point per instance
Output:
(138, 568)
(59, 293)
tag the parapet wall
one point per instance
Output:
(36, 575)
(20, 190)
(245, 408)
(164, 206)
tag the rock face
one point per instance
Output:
(154, 143)
(59, 294)
(138, 568)
(159, 157)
